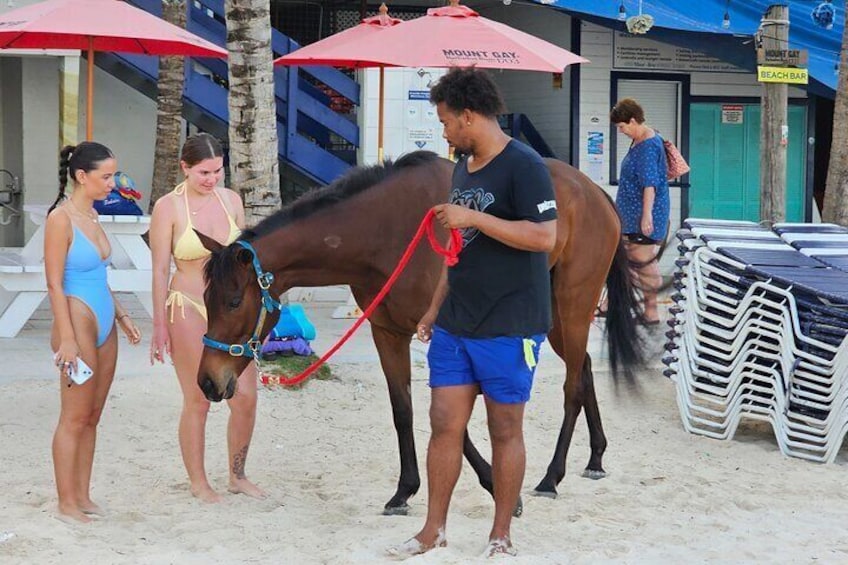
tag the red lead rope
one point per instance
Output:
(451, 255)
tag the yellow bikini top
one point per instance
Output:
(188, 246)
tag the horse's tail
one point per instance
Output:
(624, 314)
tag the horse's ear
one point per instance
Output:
(208, 242)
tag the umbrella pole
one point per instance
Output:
(380, 109)
(89, 109)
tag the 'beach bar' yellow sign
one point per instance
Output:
(782, 74)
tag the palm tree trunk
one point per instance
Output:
(254, 169)
(836, 190)
(169, 110)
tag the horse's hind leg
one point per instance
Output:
(484, 471)
(569, 337)
(481, 467)
(597, 440)
(394, 358)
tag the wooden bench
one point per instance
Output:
(22, 290)
(22, 283)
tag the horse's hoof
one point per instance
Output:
(402, 510)
(519, 509)
(546, 488)
(594, 474)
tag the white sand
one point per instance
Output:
(327, 455)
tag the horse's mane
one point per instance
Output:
(352, 182)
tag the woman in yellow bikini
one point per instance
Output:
(179, 317)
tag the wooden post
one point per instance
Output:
(774, 132)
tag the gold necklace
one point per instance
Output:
(201, 207)
(91, 217)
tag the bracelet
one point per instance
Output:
(124, 316)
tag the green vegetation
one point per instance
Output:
(289, 366)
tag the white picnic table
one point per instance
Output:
(22, 283)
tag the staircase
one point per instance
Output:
(518, 126)
(316, 143)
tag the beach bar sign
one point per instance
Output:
(788, 75)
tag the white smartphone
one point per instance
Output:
(82, 374)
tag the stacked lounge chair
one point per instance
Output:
(758, 331)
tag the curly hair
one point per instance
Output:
(626, 110)
(468, 89)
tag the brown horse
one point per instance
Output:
(354, 231)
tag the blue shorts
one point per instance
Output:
(503, 367)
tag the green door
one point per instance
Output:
(725, 161)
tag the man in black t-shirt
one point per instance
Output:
(491, 311)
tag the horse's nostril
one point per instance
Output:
(209, 389)
(231, 388)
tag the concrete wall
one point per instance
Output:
(405, 121)
(11, 152)
(11, 149)
(5, 84)
(30, 137)
(125, 122)
(40, 130)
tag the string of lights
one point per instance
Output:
(823, 14)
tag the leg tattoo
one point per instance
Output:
(238, 463)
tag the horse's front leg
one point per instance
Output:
(393, 350)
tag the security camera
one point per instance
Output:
(507, 2)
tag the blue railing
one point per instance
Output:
(310, 132)
(518, 125)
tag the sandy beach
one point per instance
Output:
(327, 455)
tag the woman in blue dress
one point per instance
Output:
(642, 199)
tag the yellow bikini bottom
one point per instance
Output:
(179, 299)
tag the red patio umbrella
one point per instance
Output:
(343, 49)
(98, 25)
(458, 36)
(446, 37)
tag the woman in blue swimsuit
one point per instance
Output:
(76, 254)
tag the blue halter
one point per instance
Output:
(250, 348)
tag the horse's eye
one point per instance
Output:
(235, 303)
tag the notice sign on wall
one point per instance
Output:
(595, 143)
(419, 95)
(420, 134)
(732, 113)
(636, 52)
